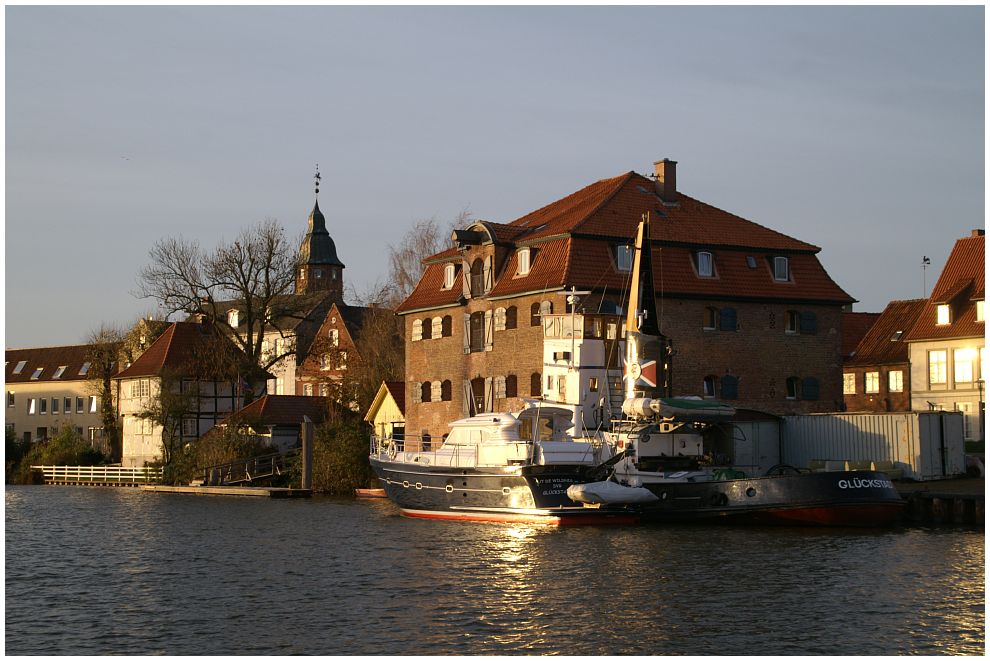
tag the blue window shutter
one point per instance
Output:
(809, 388)
(727, 319)
(809, 323)
(730, 387)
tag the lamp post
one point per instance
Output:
(979, 385)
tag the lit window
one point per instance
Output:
(37, 374)
(334, 337)
(20, 366)
(31, 405)
(872, 384)
(325, 361)
(523, 254)
(232, 318)
(448, 276)
(979, 310)
(963, 359)
(943, 315)
(781, 270)
(92, 403)
(308, 389)
(624, 258)
(58, 373)
(84, 370)
(324, 390)
(705, 269)
(848, 384)
(342, 360)
(895, 381)
(937, 367)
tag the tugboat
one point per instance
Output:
(662, 471)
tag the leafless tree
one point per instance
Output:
(424, 238)
(103, 354)
(257, 270)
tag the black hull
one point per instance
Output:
(861, 498)
(529, 494)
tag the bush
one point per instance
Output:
(66, 448)
(219, 446)
(340, 457)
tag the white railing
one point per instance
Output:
(99, 474)
(453, 455)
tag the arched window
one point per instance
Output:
(445, 327)
(427, 329)
(546, 307)
(793, 387)
(478, 277)
(510, 317)
(425, 390)
(711, 383)
(534, 314)
(510, 386)
(477, 330)
(417, 330)
(437, 328)
(445, 391)
(499, 319)
(535, 384)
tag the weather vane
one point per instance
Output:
(317, 178)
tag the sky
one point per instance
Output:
(858, 129)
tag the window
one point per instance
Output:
(510, 317)
(140, 388)
(500, 387)
(871, 382)
(624, 258)
(445, 391)
(417, 330)
(334, 337)
(324, 390)
(809, 389)
(962, 360)
(308, 389)
(477, 332)
(750, 261)
(793, 321)
(895, 381)
(793, 388)
(10, 398)
(937, 367)
(705, 265)
(84, 370)
(446, 326)
(67, 405)
(42, 406)
(92, 403)
(730, 387)
(325, 361)
(79, 404)
(436, 391)
(535, 384)
(437, 331)
(37, 374)
(55, 403)
(190, 427)
(342, 360)
(727, 319)
(31, 406)
(549, 382)
(781, 269)
(979, 310)
(302, 274)
(448, 276)
(943, 315)
(500, 319)
(523, 255)
(59, 372)
(711, 319)
(477, 277)
(546, 307)
(425, 391)
(427, 329)
(511, 389)
(20, 366)
(232, 318)
(318, 273)
(896, 336)
(709, 385)
(848, 384)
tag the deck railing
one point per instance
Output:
(424, 447)
(99, 475)
(248, 470)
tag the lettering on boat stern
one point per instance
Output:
(858, 483)
(554, 486)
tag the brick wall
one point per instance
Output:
(884, 400)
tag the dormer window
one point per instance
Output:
(232, 318)
(943, 315)
(624, 258)
(979, 310)
(705, 264)
(523, 257)
(781, 269)
(448, 276)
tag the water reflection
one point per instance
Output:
(118, 571)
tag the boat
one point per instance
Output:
(664, 472)
(497, 467)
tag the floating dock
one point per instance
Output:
(944, 502)
(263, 492)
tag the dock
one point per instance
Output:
(944, 502)
(262, 492)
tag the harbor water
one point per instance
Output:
(119, 571)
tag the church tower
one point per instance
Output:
(319, 269)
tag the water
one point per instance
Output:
(119, 571)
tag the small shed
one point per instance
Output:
(387, 413)
(280, 417)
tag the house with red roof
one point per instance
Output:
(198, 392)
(946, 344)
(753, 315)
(278, 419)
(876, 374)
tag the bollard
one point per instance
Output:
(307, 453)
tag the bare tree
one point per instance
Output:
(424, 238)
(103, 354)
(256, 270)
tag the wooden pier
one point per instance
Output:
(944, 502)
(263, 492)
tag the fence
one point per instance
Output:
(99, 475)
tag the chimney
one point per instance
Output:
(977, 233)
(665, 173)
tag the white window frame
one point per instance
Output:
(21, 364)
(963, 365)
(417, 330)
(190, 427)
(59, 372)
(938, 367)
(871, 383)
(84, 370)
(979, 311)
(781, 268)
(849, 383)
(37, 373)
(895, 381)
(436, 328)
(706, 264)
(11, 399)
(523, 261)
(308, 389)
(448, 276)
(624, 258)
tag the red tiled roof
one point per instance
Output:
(397, 389)
(965, 265)
(50, 359)
(547, 269)
(882, 344)
(429, 292)
(283, 410)
(175, 348)
(854, 326)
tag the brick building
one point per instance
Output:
(876, 377)
(753, 316)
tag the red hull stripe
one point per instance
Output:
(534, 519)
(835, 515)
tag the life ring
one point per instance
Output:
(391, 451)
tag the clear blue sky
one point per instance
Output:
(860, 130)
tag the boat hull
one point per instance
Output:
(522, 494)
(861, 499)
